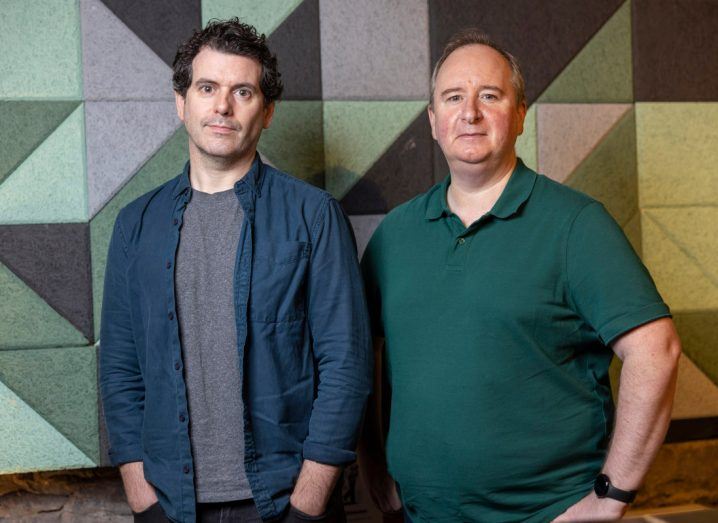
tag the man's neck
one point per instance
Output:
(473, 193)
(211, 174)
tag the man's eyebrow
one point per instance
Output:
(245, 85)
(451, 90)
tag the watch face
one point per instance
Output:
(600, 486)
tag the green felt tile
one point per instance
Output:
(684, 284)
(29, 443)
(61, 386)
(357, 133)
(602, 71)
(632, 229)
(294, 142)
(526, 145)
(26, 320)
(164, 165)
(677, 153)
(699, 331)
(24, 125)
(40, 55)
(696, 394)
(265, 16)
(609, 172)
(50, 185)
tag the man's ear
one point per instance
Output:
(268, 115)
(179, 103)
(432, 117)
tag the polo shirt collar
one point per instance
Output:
(517, 191)
(253, 178)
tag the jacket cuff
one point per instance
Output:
(327, 455)
(125, 455)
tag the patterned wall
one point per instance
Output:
(622, 106)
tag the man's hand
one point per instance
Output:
(592, 508)
(314, 487)
(140, 494)
(380, 484)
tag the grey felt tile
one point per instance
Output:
(121, 137)
(364, 226)
(117, 65)
(375, 50)
(54, 261)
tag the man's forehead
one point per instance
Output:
(474, 58)
(217, 63)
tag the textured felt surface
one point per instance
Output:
(161, 24)
(61, 386)
(294, 141)
(699, 331)
(350, 150)
(49, 186)
(375, 50)
(632, 230)
(675, 46)
(677, 153)
(364, 226)
(602, 70)
(696, 394)
(544, 39)
(24, 125)
(54, 261)
(265, 16)
(164, 165)
(29, 443)
(117, 65)
(26, 320)
(402, 172)
(569, 132)
(526, 144)
(121, 137)
(46, 66)
(297, 46)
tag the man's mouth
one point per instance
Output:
(221, 128)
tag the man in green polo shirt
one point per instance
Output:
(501, 297)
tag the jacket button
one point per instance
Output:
(171, 316)
(185, 469)
(181, 418)
(175, 221)
(168, 264)
(177, 365)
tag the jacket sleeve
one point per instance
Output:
(339, 326)
(121, 384)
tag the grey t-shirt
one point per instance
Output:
(204, 281)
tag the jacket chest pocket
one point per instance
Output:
(278, 282)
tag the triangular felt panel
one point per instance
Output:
(162, 24)
(265, 16)
(356, 134)
(526, 146)
(26, 320)
(294, 143)
(569, 132)
(61, 386)
(167, 163)
(696, 394)
(543, 36)
(297, 45)
(364, 227)
(117, 65)
(682, 283)
(609, 173)
(121, 136)
(54, 261)
(602, 71)
(24, 125)
(699, 332)
(29, 443)
(49, 186)
(632, 230)
(402, 172)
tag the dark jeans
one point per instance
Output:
(153, 514)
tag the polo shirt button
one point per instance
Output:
(175, 221)
(177, 365)
(171, 316)
(168, 264)
(185, 469)
(181, 418)
(461, 241)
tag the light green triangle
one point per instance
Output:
(609, 173)
(603, 70)
(265, 16)
(50, 185)
(356, 134)
(29, 443)
(526, 144)
(24, 125)
(60, 385)
(294, 143)
(699, 332)
(164, 165)
(26, 320)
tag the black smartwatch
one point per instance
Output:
(603, 489)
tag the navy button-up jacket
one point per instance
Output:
(302, 336)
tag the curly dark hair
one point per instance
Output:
(233, 37)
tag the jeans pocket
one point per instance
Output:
(152, 514)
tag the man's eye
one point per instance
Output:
(454, 98)
(489, 96)
(244, 93)
(205, 88)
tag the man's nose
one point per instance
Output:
(223, 103)
(471, 111)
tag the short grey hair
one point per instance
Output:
(473, 36)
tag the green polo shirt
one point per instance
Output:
(497, 350)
